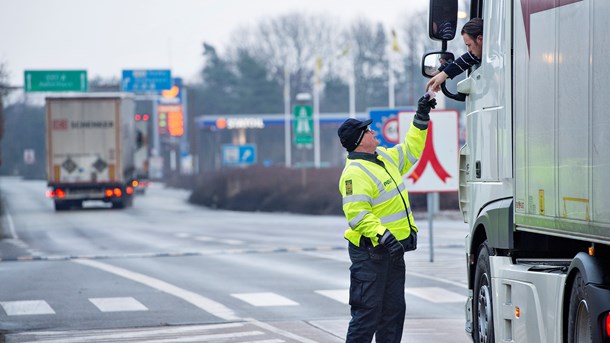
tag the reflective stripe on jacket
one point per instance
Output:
(374, 195)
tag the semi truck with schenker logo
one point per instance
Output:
(90, 143)
(535, 168)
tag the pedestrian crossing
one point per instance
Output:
(434, 295)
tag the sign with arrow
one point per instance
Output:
(55, 80)
(146, 81)
(437, 168)
(303, 125)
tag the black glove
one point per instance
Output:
(422, 116)
(424, 104)
(393, 246)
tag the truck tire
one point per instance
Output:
(482, 306)
(579, 318)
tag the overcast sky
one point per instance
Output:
(106, 36)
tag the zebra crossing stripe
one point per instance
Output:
(340, 295)
(26, 307)
(215, 308)
(264, 299)
(125, 304)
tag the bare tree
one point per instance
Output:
(292, 42)
(414, 36)
(371, 45)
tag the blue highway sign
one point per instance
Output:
(146, 81)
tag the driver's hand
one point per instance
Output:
(435, 83)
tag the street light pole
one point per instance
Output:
(316, 125)
(352, 91)
(287, 145)
(316, 114)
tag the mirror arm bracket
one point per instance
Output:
(458, 96)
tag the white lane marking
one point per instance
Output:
(215, 308)
(280, 331)
(264, 299)
(122, 304)
(340, 295)
(11, 226)
(436, 295)
(26, 307)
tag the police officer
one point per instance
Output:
(381, 226)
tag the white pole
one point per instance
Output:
(287, 145)
(390, 81)
(352, 91)
(316, 124)
(431, 205)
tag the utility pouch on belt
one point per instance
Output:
(410, 243)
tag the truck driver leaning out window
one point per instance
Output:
(381, 226)
(472, 33)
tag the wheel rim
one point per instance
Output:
(484, 309)
(583, 323)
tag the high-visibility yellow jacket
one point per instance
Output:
(374, 194)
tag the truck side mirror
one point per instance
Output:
(434, 62)
(442, 20)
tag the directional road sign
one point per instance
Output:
(303, 124)
(437, 168)
(55, 80)
(146, 81)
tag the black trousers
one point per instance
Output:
(376, 295)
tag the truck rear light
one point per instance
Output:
(60, 193)
(607, 324)
(129, 190)
(108, 193)
(134, 183)
(50, 194)
(117, 192)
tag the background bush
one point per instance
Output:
(280, 189)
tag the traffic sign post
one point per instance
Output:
(303, 125)
(143, 81)
(55, 80)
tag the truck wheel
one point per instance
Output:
(579, 320)
(483, 307)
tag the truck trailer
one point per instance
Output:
(90, 144)
(535, 168)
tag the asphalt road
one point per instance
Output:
(168, 271)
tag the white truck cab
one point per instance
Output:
(535, 169)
